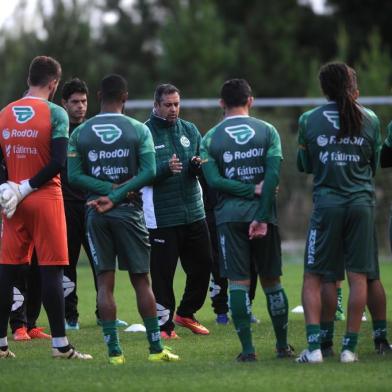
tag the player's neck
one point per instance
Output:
(38, 92)
(111, 107)
(239, 111)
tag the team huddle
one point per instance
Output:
(132, 191)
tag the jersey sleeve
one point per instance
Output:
(275, 148)
(303, 158)
(146, 142)
(60, 121)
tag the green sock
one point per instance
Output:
(313, 336)
(153, 334)
(326, 332)
(379, 329)
(110, 336)
(240, 313)
(278, 309)
(350, 341)
(339, 306)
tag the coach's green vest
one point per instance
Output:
(173, 200)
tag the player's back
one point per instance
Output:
(27, 127)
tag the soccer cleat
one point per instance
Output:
(72, 325)
(307, 356)
(364, 318)
(327, 349)
(117, 360)
(38, 333)
(286, 352)
(7, 354)
(169, 335)
(21, 334)
(254, 319)
(382, 346)
(347, 356)
(251, 357)
(222, 319)
(70, 354)
(192, 324)
(164, 356)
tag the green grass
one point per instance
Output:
(207, 362)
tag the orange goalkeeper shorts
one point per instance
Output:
(39, 222)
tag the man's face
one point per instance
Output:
(76, 106)
(169, 107)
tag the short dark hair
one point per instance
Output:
(43, 70)
(235, 92)
(164, 89)
(113, 86)
(75, 85)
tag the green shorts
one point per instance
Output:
(341, 238)
(119, 233)
(237, 252)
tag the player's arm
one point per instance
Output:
(304, 163)
(195, 163)
(76, 175)
(271, 178)
(374, 162)
(386, 150)
(147, 168)
(3, 169)
(216, 180)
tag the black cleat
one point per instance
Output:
(382, 346)
(246, 357)
(286, 352)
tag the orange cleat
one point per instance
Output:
(21, 334)
(192, 324)
(169, 335)
(37, 333)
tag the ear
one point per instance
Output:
(222, 104)
(124, 97)
(250, 102)
(64, 103)
(356, 94)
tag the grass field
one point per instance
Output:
(207, 362)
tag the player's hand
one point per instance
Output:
(257, 230)
(259, 188)
(175, 165)
(8, 200)
(102, 204)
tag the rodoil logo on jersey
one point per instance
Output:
(108, 133)
(240, 133)
(93, 155)
(324, 140)
(23, 114)
(229, 156)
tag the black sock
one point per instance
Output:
(8, 274)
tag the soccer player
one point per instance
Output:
(74, 100)
(243, 157)
(112, 156)
(339, 144)
(175, 216)
(33, 139)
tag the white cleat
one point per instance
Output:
(307, 356)
(70, 354)
(347, 356)
(7, 354)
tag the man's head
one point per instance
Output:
(236, 93)
(44, 73)
(74, 99)
(113, 90)
(167, 102)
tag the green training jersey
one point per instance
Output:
(238, 148)
(108, 148)
(342, 168)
